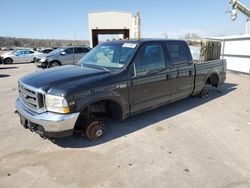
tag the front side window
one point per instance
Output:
(17, 53)
(20, 53)
(150, 58)
(110, 55)
(177, 52)
(69, 51)
(58, 50)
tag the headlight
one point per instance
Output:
(56, 104)
(42, 60)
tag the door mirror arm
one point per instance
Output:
(62, 53)
(132, 71)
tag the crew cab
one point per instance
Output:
(116, 79)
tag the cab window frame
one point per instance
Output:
(187, 53)
(71, 50)
(165, 60)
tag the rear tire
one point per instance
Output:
(8, 61)
(204, 93)
(54, 64)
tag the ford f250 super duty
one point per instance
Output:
(116, 79)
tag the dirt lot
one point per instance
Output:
(191, 143)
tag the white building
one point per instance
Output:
(113, 22)
(236, 50)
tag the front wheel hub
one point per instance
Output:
(94, 130)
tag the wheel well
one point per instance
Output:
(56, 61)
(100, 110)
(7, 58)
(213, 80)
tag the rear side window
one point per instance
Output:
(27, 52)
(69, 51)
(177, 52)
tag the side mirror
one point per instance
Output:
(63, 53)
(132, 71)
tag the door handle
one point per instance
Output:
(190, 72)
(167, 77)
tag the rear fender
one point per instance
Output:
(210, 73)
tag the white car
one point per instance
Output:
(43, 53)
(19, 56)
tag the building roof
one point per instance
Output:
(244, 36)
(110, 11)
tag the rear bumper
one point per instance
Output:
(222, 78)
(46, 124)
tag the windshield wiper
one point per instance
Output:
(95, 67)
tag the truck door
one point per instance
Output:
(148, 85)
(67, 57)
(181, 78)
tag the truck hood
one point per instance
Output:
(7, 55)
(60, 77)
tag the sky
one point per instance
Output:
(64, 19)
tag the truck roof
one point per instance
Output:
(144, 40)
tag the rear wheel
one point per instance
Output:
(8, 61)
(54, 64)
(94, 130)
(204, 93)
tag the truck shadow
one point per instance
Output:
(118, 129)
(22, 63)
(3, 68)
(4, 75)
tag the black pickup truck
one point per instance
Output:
(114, 80)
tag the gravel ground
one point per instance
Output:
(191, 143)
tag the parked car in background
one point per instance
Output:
(19, 56)
(46, 51)
(63, 56)
(43, 52)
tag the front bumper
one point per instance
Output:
(46, 124)
(42, 64)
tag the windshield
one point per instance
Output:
(56, 51)
(110, 55)
(14, 51)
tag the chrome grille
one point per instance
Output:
(31, 97)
